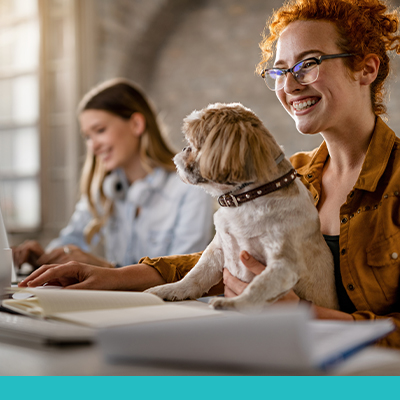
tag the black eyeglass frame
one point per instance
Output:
(318, 60)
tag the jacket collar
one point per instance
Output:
(380, 148)
(316, 163)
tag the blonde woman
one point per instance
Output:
(132, 200)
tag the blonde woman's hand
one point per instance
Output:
(29, 251)
(62, 255)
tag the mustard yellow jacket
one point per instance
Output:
(369, 230)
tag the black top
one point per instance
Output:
(345, 304)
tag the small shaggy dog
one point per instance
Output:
(264, 210)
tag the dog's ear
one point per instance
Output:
(235, 145)
(194, 129)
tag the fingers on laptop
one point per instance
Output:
(29, 251)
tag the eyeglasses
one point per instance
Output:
(305, 71)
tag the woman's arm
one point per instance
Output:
(75, 275)
(172, 268)
(62, 255)
(71, 245)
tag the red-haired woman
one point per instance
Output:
(330, 64)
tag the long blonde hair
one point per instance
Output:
(121, 97)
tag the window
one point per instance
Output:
(44, 47)
(19, 114)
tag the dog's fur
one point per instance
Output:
(228, 146)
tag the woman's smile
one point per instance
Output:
(304, 104)
(104, 155)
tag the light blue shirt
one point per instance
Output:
(155, 216)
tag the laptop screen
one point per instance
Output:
(7, 272)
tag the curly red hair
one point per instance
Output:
(364, 27)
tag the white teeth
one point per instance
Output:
(103, 155)
(302, 105)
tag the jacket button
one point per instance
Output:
(344, 220)
(309, 176)
(343, 251)
(394, 256)
(350, 287)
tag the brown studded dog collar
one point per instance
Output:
(235, 200)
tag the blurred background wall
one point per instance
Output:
(184, 53)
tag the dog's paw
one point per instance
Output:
(172, 292)
(223, 303)
(236, 303)
(164, 292)
(220, 303)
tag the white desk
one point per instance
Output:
(28, 359)
(23, 359)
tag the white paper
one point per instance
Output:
(282, 338)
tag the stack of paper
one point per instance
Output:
(281, 338)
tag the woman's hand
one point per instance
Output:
(28, 252)
(72, 275)
(234, 286)
(33, 253)
(76, 275)
(62, 255)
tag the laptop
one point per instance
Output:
(17, 327)
(7, 271)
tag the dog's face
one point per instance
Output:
(227, 145)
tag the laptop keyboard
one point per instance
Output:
(43, 331)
